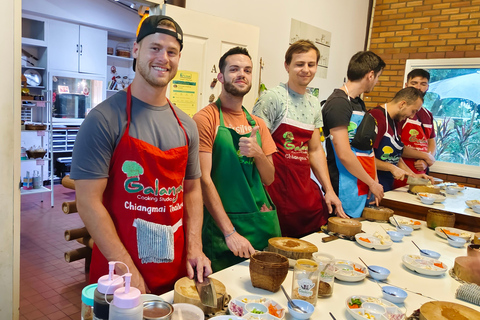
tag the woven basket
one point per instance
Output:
(268, 270)
(35, 154)
(438, 218)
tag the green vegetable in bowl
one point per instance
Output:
(257, 311)
(355, 303)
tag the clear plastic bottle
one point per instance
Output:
(87, 301)
(126, 302)
(326, 275)
(305, 281)
(106, 287)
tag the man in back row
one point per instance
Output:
(351, 133)
(418, 133)
(294, 117)
(236, 161)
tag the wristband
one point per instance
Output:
(228, 235)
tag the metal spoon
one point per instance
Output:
(389, 293)
(291, 303)
(446, 234)
(422, 251)
(331, 315)
(366, 265)
(398, 224)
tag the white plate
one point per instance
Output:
(424, 265)
(375, 243)
(471, 203)
(241, 301)
(344, 270)
(228, 317)
(391, 309)
(414, 224)
(438, 197)
(456, 233)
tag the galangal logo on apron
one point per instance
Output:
(132, 185)
(413, 137)
(289, 145)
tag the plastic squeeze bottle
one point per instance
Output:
(107, 285)
(126, 302)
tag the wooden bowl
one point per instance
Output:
(268, 270)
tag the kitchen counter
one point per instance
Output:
(407, 204)
(237, 278)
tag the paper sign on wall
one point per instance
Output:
(184, 91)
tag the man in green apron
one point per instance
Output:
(236, 162)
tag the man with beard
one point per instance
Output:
(137, 174)
(351, 133)
(294, 117)
(236, 161)
(388, 146)
(418, 133)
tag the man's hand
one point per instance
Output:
(137, 280)
(331, 199)
(424, 176)
(420, 165)
(429, 159)
(377, 190)
(240, 246)
(249, 146)
(201, 263)
(399, 173)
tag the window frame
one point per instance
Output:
(464, 170)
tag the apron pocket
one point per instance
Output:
(154, 242)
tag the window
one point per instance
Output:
(453, 98)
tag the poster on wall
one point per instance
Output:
(184, 90)
(321, 38)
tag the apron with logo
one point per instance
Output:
(240, 188)
(144, 196)
(415, 134)
(299, 200)
(389, 150)
(352, 191)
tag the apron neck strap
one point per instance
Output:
(250, 120)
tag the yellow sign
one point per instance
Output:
(183, 91)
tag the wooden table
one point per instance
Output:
(408, 205)
(237, 278)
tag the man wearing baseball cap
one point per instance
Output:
(136, 171)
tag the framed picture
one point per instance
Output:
(63, 89)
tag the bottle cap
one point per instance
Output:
(110, 282)
(88, 294)
(126, 297)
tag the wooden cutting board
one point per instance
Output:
(442, 310)
(185, 292)
(377, 213)
(292, 248)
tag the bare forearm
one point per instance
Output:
(384, 166)
(265, 168)
(432, 146)
(193, 214)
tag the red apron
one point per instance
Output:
(145, 183)
(301, 207)
(414, 135)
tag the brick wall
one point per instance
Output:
(428, 29)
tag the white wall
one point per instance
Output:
(345, 19)
(10, 158)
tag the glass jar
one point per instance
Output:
(87, 301)
(305, 281)
(326, 273)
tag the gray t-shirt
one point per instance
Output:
(271, 107)
(104, 126)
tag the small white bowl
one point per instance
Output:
(184, 310)
(406, 230)
(307, 306)
(451, 190)
(256, 308)
(381, 274)
(395, 236)
(398, 297)
(476, 208)
(456, 242)
(429, 254)
(427, 200)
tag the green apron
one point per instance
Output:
(240, 188)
